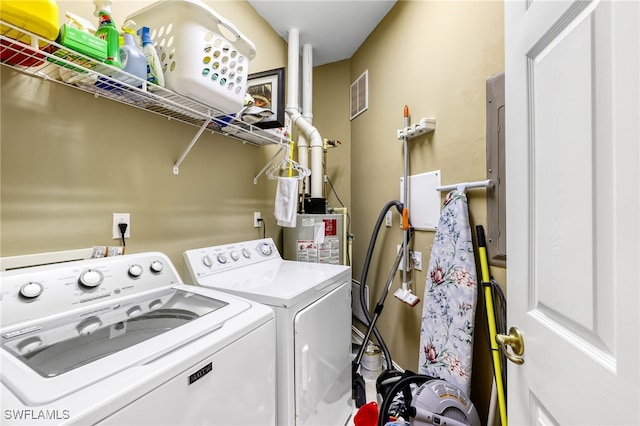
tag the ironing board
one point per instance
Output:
(449, 303)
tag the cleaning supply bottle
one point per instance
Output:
(108, 31)
(154, 66)
(131, 56)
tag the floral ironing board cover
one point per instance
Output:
(450, 295)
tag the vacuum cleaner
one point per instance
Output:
(420, 400)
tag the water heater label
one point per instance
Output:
(326, 252)
(330, 227)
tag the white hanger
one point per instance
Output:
(287, 164)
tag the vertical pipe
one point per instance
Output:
(307, 109)
(293, 71)
(293, 95)
(405, 210)
(307, 82)
(317, 177)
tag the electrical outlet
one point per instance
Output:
(119, 218)
(256, 221)
(417, 260)
(388, 218)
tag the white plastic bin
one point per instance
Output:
(203, 56)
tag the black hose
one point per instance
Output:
(403, 385)
(365, 272)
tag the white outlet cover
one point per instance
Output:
(120, 218)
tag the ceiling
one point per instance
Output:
(335, 29)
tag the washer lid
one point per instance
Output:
(46, 360)
(279, 282)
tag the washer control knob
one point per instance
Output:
(246, 253)
(156, 266)
(155, 304)
(265, 249)
(134, 311)
(91, 278)
(31, 289)
(89, 325)
(206, 260)
(235, 256)
(29, 345)
(222, 258)
(135, 271)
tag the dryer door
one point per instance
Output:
(322, 340)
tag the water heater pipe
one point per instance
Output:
(293, 91)
(317, 144)
(307, 106)
(309, 133)
(293, 95)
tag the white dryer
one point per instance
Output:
(122, 341)
(312, 303)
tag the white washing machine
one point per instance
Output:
(121, 340)
(312, 303)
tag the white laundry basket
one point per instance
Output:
(204, 56)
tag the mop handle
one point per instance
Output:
(491, 322)
(405, 209)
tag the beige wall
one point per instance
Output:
(433, 56)
(331, 97)
(70, 160)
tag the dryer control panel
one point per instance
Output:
(207, 261)
(42, 291)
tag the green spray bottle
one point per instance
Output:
(108, 31)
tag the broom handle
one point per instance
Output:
(491, 321)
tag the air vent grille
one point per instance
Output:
(360, 95)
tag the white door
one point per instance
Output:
(573, 189)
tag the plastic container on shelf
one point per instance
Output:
(39, 17)
(108, 31)
(154, 66)
(203, 56)
(131, 55)
(78, 36)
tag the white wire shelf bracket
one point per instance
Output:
(466, 185)
(33, 55)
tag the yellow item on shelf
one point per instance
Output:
(39, 17)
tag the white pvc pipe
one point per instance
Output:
(309, 132)
(313, 135)
(303, 144)
(293, 71)
(307, 82)
(317, 177)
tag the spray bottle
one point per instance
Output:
(108, 31)
(131, 56)
(154, 66)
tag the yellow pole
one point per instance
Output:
(291, 148)
(491, 321)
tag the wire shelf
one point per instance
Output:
(33, 55)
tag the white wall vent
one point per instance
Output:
(360, 95)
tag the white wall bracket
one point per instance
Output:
(425, 125)
(176, 166)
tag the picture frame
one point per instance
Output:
(267, 90)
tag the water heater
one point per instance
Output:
(317, 238)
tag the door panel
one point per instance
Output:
(572, 159)
(565, 223)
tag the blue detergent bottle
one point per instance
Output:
(132, 57)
